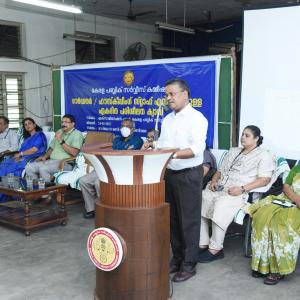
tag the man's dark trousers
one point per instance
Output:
(184, 193)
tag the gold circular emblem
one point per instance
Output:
(128, 77)
(105, 249)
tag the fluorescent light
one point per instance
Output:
(167, 49)
(84, 38)
(177, 28)
(53, 5)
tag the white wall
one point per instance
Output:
(42, 36)
(270, 95)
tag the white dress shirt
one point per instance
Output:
(185, 129)
(8, 140)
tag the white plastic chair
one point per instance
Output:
(219, 154)
(72, 177)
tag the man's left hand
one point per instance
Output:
(17, 157)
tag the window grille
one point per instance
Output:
(12, 98)
(10, 40)
(89, 52)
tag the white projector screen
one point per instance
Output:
(270, 97)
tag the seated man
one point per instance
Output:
(152, 136)
(8, 138)
(66, 144)
(128, 140)
(90, 184)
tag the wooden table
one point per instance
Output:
(24, 217)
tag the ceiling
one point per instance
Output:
(197, 11)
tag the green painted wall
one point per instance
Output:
(56, 99)
(225, 104)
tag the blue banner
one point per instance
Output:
(100, 98)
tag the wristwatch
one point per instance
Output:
(243, 189)
(62, 142)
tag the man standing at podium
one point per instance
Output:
(185, 129)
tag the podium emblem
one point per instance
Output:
(105, 249)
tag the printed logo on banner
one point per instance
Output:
(128, 78)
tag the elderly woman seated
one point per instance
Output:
(243, 169)
(276, 231)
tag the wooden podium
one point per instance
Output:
(133, 205)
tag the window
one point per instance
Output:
(10, 41)
(90, 52)
(12, 98)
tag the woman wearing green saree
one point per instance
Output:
(276, 232)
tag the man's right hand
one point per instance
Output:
(58, 136)
(147, 145)
(213, 186)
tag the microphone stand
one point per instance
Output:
(156, 132)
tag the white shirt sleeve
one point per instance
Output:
(198, 137)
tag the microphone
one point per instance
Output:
(162, 107)
(166, 108)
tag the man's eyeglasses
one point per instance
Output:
(172, 94)
(63, 122)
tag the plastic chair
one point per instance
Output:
(219, 154)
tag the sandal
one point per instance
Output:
(257, 274)
(273, 278)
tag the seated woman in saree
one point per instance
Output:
(242, 170)
(34, 145)
(276, 231)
